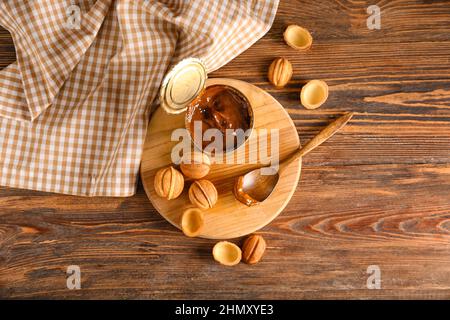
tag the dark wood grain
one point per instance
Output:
(378, 193)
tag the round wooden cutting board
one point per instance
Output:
(229, 218)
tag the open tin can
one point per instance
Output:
(223, 109)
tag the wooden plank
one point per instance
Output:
(322, 243)
(376, 194)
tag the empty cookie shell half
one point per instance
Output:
(314, 94)
(298, 38)
(227, 253)
(192, 222)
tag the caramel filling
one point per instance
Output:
(220, 107)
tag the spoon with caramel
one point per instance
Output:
(254, 187)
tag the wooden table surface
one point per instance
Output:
(376, 194)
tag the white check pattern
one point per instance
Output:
(74, 107)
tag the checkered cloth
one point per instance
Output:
(74, 107)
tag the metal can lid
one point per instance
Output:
(184, 82)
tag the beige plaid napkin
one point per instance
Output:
(74, 107)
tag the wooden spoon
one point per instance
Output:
(254, 187)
